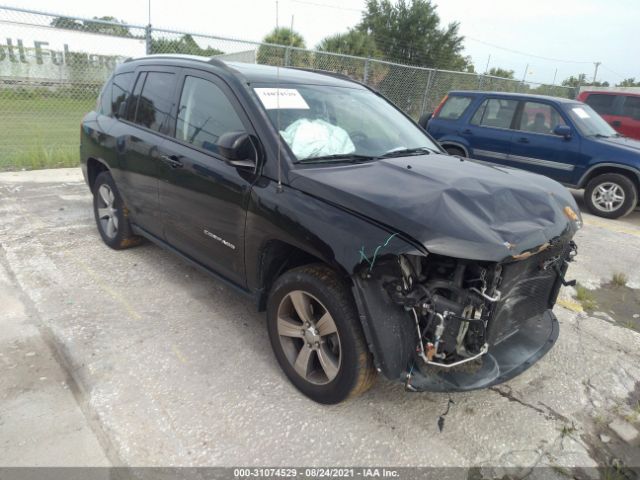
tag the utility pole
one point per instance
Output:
(276, 14)
(486, 70)
(526, 70)
(147, 31)
(595, 73)
(555, 74)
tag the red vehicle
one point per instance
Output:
(620, 109)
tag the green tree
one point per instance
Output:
(286, 37)
(629, 82)
(67, 23)
(501, 72)
(119, 30)
(409, 31)
(354, 42)
(184, 45)
(581, 80)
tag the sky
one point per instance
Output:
(541, 40)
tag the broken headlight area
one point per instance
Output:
(463, 309)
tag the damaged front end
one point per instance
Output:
(447, 324)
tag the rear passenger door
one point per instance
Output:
(146, 124)
(204, 198)
(537, 149)
(489, 132)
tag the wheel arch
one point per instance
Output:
(453, 143)
(607, 167)
(277, 257)
(94, 168)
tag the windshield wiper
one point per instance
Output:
(338, 157)
(599, 135)
(406, 152)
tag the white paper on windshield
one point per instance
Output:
(580, 112)
(274, 98)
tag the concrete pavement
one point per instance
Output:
(174, 368)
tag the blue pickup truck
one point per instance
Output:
(560, 138)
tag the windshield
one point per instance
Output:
(327, 123)
(589, 122)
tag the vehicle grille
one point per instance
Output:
(527, 288)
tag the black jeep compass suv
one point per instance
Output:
(370, 249)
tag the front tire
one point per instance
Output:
(611, 195)
(316, 335)
(111, 215)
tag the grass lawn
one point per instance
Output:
(41, 131)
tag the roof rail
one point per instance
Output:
(211, 60)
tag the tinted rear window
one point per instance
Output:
(120, 90)
(603, 104)
(454, 107)
(155, 101)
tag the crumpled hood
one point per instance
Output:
(453, 207)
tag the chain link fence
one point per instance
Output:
(52, 68)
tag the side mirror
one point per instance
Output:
(238, 148)
(562, 131)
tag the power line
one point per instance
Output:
(326, 5)
(615, 73)
(550, 59)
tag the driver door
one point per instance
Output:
(536, 148)
(204, 199)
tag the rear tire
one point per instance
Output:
(111, 214)
(611, 195)
(316, 335)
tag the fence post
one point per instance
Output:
(147, 39)
(286, 56)
(426, 91)
(365, 76)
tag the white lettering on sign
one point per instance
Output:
(281, 98)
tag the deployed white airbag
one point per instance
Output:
(315, 138)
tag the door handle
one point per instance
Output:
(467, 131)
(172, 160)
(523, 140)
(616, 123)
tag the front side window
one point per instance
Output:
(154, 105)
(454, 107)
(631, 107)
(327, 121)
(601, 103)
(495, 112)
(539, 118)
(204, 114)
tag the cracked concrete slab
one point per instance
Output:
(176, 369)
